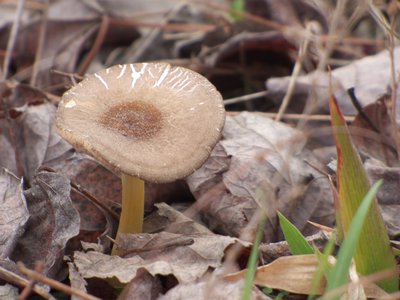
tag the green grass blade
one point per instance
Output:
(339, 275)
(298, 245)
(373, 252)
(237, 8)
(252, 263)
(324, 266)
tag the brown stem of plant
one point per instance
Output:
(41, 41)
(105, 23)
(13, 38)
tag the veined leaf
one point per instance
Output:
(373, 252)
(338, 276)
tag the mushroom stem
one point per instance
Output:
(131, 220)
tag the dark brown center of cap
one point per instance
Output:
(137, 120)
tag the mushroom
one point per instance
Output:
(147, 121)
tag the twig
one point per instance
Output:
(333, 27)
(72, 76)
(358, 107)
(256, 19)
(29, 4)
(390, 35)
(187, 27)
(147, 40)
(22, 282)
(297, 116)
(105, 23)
(29, 288)
(41, 40)
(393, 81)
(13, 38)
(55, 284)
(244, 98)
(284, 28)
(296, 70)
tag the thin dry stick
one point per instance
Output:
(72, 76)
(39, 50)
(390, 34)
(187, 27)
(152, 35)
(391, 39)
(29, 4)
(55, 284)
(252, 96)
(393, 76)
(105, 23)
(333, 27)
(13, 38)
(17, 280)
(244, 98)
(295, 117)
(284, 28)
(326, 53)
(260, 20)
(296, 70)
(29, 288)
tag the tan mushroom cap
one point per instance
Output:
(149, 120)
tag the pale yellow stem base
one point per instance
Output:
(131, 220)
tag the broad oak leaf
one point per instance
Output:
(258, 156)
(13, 212)
(187, 257)
(53, 221)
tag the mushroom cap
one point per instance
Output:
(149, 120)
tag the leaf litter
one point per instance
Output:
(259, 163)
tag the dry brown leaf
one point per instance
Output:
(94, 178)
(258, 154)
(52, 222)
(187, 257)
(7, 16)
(215, 289)
(168, 219)
(295, 274)
(13, 214)
(387, 194)
(77, 282)
(29, 129)
(171, 192)
(272, 251)
(374, 134)
(370, 77)
(62, 47)
(144, 287)
(290, 273)
(8, 291)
